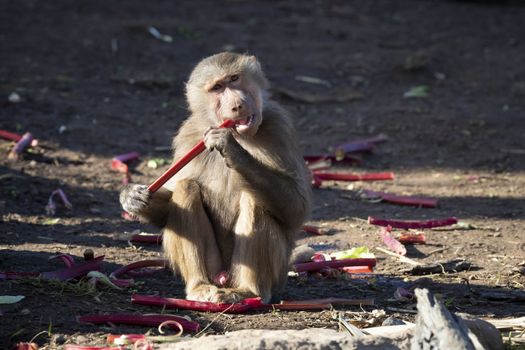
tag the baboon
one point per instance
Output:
(237, 206)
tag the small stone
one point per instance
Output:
(392, 321)
(14, 98)
(95, 211)
(59, 339)
(25, 312)
(81, 339)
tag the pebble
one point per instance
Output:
(14, 98)
(392, 321)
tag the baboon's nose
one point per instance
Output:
(237, 107)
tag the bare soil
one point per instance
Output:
(94, 84)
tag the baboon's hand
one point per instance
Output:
(135, 198)
(217, 138)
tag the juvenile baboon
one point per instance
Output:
(237, 208)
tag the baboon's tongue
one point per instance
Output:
(243, 121)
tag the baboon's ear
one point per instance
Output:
(253, 63)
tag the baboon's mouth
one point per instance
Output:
(245, 123)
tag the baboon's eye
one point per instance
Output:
(216, 87)
(234, 77)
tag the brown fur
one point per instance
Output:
(238, 208)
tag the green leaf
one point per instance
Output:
(354, 253)
(52, 221)
(102, 278)
(10, 299)
(420, 91)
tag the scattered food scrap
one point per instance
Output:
(120, 164)
(364, 145)
(412, 238)
(342, 176)
(392, 243)
(51, 205)
(397, 199)
(21, 145)
(141, 320)
(415, 224)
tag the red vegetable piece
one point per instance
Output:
(412, 238)
(362, 145)
(20, 146)
(354, 177)
(127, 157)
(75, 271)
(11, 136)
(27, 346)
(119, 163)
(128, 269)
(66, 274)
(153, 239)
(392, 243)
(66, 259)
(314, 230)
(321, 257)
(181, 163)
(401, 200)
(316, 266)
(357, 269)
(140, 320)
(11, 275)
(204, 306)
(413, 224)
(51, 205)
(119, 166)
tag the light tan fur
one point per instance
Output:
(238, 207)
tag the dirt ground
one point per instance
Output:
(94, 83)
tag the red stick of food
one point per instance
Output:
(118, 163)
(181, 163)
(401, 200)
(364, 145)
(392, 243)
(314, 230)
(318, 265)
(204, 306)
(140, 320)
(353, 177)
(129, 269)
(413, 224)
(15, 137)
(150, 238)
(357, 269)
(412, 238)
(21, 145)
(74, 271)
